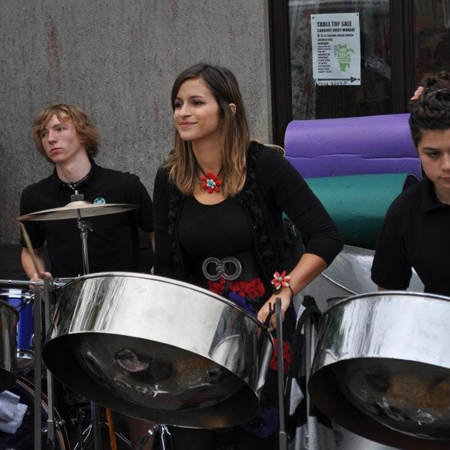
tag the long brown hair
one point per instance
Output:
(431, 110)
(183, 170)
(89, 135)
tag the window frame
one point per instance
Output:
(402, 48)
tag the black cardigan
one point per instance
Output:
(272, 186)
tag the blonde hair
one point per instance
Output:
(89, 135)
(182, 165)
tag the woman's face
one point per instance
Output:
(196, 113)
(434, 153)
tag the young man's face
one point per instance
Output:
(61, 141)
(434, 153)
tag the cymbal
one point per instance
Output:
(81, 207)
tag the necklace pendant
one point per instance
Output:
(210, 182)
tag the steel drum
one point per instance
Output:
(158, 349)
(8, 336)
(382, 368)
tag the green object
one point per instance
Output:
(358, 203)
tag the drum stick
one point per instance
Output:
(27, 240)
(112, 435)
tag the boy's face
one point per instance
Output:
(61, 141)
(434, 153)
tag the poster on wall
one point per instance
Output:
(336, 49)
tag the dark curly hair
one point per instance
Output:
(431, 110)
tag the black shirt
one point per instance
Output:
(415, 234)
(113, 244)
(219, 230)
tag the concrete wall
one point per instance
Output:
(117, 60)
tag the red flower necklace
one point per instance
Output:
(210, 182)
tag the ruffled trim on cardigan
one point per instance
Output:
(249, 197)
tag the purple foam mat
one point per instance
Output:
(350, 146)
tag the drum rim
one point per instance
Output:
(168, 280)
(26, 383)
(12, 308)
(391, 293)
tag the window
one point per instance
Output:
(373, 95)
(400, 40)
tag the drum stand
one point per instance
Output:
(156, 428)
(40, 296)
(150, 432)
(282, 436)
(44, 296)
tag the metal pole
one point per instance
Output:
(56, 282)
(307, 330)
(80, 417)
(37, 370)
(83, 227)
(282, 434)
(50, 399)
(95, 419)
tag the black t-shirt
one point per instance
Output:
(113, 244)
(415, 234)
(216, 230)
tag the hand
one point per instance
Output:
(418, 92)
(39, 277)
(285, 296)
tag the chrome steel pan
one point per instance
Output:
(8, 345)
(158, 349)
(382, 368)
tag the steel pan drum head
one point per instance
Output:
(8, 337)
(408, 396)
(382, 369)
(160, 350)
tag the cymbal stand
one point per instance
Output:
(84, 227)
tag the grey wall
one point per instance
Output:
(117, 60)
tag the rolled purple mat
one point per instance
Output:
(353, 145)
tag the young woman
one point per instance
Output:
(416, 230)
(220, 197)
